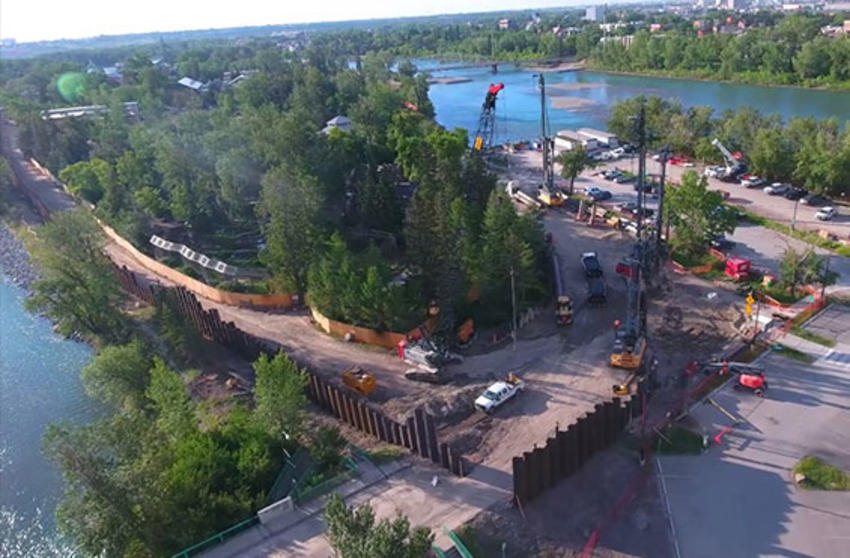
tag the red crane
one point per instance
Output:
(487, 120)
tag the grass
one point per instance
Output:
(806, 236)
(820, 475)
(794, 354)
(717, 272)
(751, 353)
(386, 454)
(689, 261)
(679, 441)
(813, 337)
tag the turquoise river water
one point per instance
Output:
(39, 384)
(591, 94)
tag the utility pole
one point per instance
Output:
(545, 142)
(513, 304)
(825, 275)
(659, 222)
(640, 130)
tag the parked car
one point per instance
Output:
(647, 187)
(720, 242)
(826, 213)
(713, 171)
(757, 183)
(750, 181)
(499, 392)
(597, 194)
(623, 179)
(814, 200)
(688, 164)
(592, 267)
(611, 174)
(776, 189)
(795, 193)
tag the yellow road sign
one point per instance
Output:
(750, 299)
(749, 310)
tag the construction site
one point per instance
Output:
(619, 323)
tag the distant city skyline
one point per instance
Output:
(42, 20)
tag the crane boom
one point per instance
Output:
(730, 160)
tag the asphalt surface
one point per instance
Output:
(738, 499)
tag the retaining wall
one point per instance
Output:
(418, 433)
(386, 339)
(542, 468)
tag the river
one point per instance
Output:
(590, 95)
(39, 384)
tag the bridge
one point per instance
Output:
(571, 64)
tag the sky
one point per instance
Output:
(37, 20)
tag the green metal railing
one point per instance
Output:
(458, 543)
(300, 495)
(218, 538)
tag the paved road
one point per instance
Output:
(739, 500)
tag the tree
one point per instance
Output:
(293, 233)
(800, 267)
(574, 162)
(771, 155)
(118, 375)
(78, 290)
(326, 447)
(170, 400)
(279, 395)
(354, 534)
(697, 215)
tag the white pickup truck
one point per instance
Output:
(499, 392)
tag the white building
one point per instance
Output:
(595, 13)
(567, 140)
(603, 139)
(339, 122)
(192, 84)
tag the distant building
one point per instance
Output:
(506, 23)
(7, 43)
(654, 27)
(846, 26)
(337, 122)
(595, 13)
(734, 4)
(609, 27)
(567, 140)
(192, 84)
(625, 40)
(602, 138)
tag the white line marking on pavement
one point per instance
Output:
(667, 507)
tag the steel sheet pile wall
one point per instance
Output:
(564, 453)
(418, 433)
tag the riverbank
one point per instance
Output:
(698, 76)
(15, 262)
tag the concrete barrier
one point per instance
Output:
(277, 511)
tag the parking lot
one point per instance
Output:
(776, 208)
(738, 499)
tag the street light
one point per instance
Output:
(794, 217)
